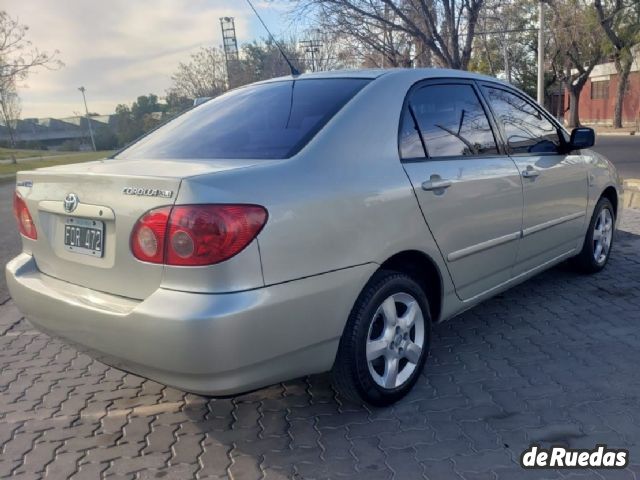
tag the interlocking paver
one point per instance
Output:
(552, 361)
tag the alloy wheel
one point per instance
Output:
(395, 340)
(602, 235)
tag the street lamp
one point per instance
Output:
(86, 109)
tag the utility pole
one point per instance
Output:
(312, 47)
(541, 53)
(86, 109)
(230, 47)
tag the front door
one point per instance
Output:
(470, 193)
(554, 181)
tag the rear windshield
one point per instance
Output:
(270, 121)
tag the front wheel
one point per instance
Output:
(386, 340)
(599, 239)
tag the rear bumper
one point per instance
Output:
(216, 344)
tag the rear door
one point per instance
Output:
(554, 180)
(469, 191)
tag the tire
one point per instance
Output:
(379, 339)
(598, 240)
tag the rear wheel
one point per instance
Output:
(386, 340)
(599, 239)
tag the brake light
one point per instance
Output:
(148, 236)
(196, 235)
(23, 217)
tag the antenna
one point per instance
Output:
(294, 70)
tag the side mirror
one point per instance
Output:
(582, 137)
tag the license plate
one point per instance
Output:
(84, 236)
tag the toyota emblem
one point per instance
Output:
(70, 202)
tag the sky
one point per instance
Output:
(120, 49)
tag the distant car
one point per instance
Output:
(309, 223)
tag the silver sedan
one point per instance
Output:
(306, 224)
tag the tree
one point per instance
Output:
(506, 43)
(577, 47)
(263, 60)
(127, 128)
(17, 54)
(203, 75)
(176, 104)
(17, 57)
(9, 107)
(144, 115)
(444, 28)
(620, 21)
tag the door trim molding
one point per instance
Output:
(494, 242)
(518, 278)
(551, 223)
(479, 247)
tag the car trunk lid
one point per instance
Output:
(111, 195)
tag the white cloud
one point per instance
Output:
(119, 49)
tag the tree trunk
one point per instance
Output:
(575, 89)
(623, 68)
(573, 119)
(8, 122)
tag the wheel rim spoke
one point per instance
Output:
(409, 318)
(390, 372)
(413, 353)
(389, 310)
(376, 348)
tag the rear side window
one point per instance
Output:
(526, 129)
(268, 121)
(451, 121)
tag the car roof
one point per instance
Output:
(423, 73)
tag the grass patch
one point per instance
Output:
(9, 153)
(62, 159)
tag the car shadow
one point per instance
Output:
(550, 361)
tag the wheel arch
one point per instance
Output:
(421, 267)
(611, 194)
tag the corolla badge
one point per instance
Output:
(70, 202)
(147, 192)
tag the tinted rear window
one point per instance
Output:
(273, 120)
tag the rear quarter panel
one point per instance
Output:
(343, 200)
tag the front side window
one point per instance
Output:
(451, 120)
(267, 121)
(526, 129)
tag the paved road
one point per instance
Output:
(553, 361)
(9, 239)
(624, 151)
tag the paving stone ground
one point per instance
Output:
(553, 361)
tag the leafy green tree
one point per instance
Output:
(176, 104)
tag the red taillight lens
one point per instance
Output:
(23, 217)
(148, 236)
(192, 235)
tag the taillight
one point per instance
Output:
(192, 235)
(148, 236)
(23, 217)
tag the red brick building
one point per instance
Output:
(598, 97)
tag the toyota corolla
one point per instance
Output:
(309, 223)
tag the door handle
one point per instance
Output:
(436, 183)
(530, 173)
